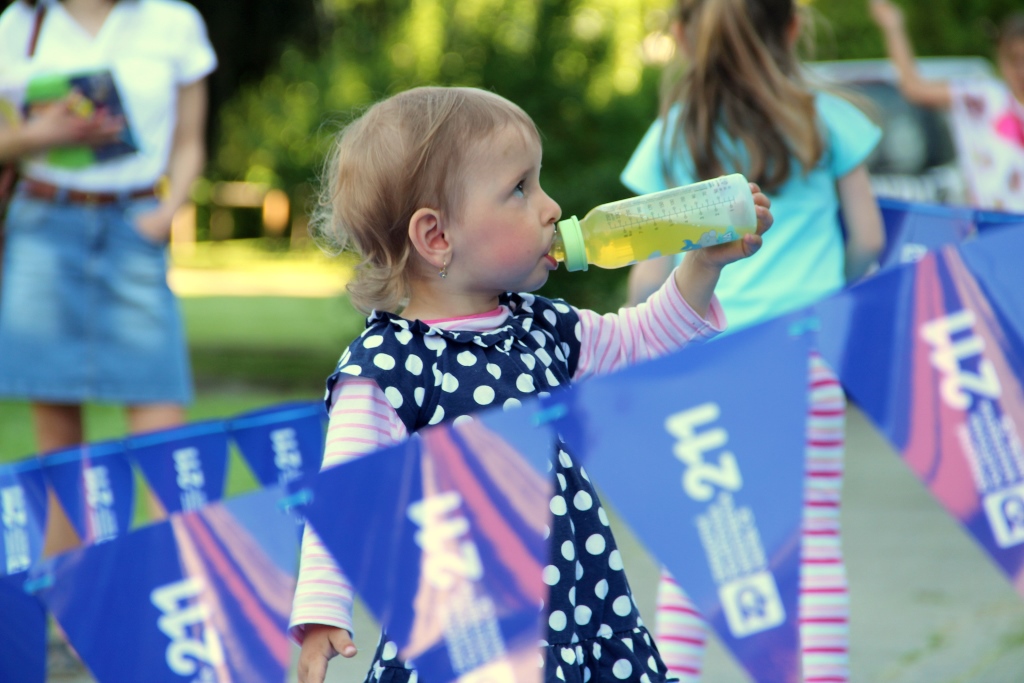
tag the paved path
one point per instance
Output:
(928, 607)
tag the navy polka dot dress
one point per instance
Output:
(429, 375)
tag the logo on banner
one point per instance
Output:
(190, 478)
(729, 534)
(15, 521)
(195, 646)
(451, 562)
(287, 456)
(988, 437)
(99, 499)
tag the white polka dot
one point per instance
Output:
(602, 515)
(645, 679)
(595, 544)
(384, 361)
(435, 343)
(551, 575)
(512, 403)
(561, 480)
(568, 655)
(437, 375)
(647, 639)
(605, 631)
(597, 651)
(583, 614)
(561, 306)
(414, 676)
(524, 383)
(462, 419)
(622, 605)
(572, 595)
(373, 341)
(484, 395)
(540, 660)
(558, 506)
(540, 337)
(466, 358)
(583, 473)
(545, 358)
(639, 621)
(547, 531)
(352, 370)
(582, 500)
(557, 620)
(615, 560)
(579, 571)
(449, 383)
(550, 316)
(414, 365)
(651, 663)
(628, 642)
(559, 354)
(564, 458)
(438, 416)
(578, 331)
(622, 669)
(494, 370)
(601, 589)
(586, 674)
(417, 394)
(527, 323)
(403, 337)
(389, 651)
(394, 397)
(559, 675)
(568, 550)
(529, 361)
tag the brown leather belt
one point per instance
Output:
(40, 190)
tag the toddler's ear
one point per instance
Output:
(428, 237)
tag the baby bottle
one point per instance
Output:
(657, 224)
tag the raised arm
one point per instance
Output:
(915, 88)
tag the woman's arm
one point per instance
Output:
(57, 126)
(865, 236)
(188, 155)
(914, 87)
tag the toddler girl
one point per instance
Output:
(438, 191)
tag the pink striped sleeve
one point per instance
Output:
(362, 421)
(663, 324)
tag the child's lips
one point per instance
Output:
(551, 260)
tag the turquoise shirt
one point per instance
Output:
(803, 256)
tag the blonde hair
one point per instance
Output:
(404, 153)
(744, 79)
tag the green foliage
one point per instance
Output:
(578, 67)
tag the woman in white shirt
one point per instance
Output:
(85, 310)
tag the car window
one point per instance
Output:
(914, 139)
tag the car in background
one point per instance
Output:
(916, 159)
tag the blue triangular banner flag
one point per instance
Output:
(96, 487)
(936, 360)
(729, 500)
(282, 444)
(204, 596)
(184, 466)
(443, 537)
(913, 229)
(23, 629)
(23, 513)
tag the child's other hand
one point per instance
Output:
(722, 255)
(887, 15)
(321, 644)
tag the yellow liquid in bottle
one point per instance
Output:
(663, 223)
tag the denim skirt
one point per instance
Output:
(85, 310)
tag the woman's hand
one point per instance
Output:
(56, 125)
(155, 225)
(888, 16)
(320, 644)
(721, 255)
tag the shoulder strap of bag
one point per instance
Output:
(37, 25)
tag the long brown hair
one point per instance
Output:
(743, 79)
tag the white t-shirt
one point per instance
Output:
(152, 48)
(989, 126)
